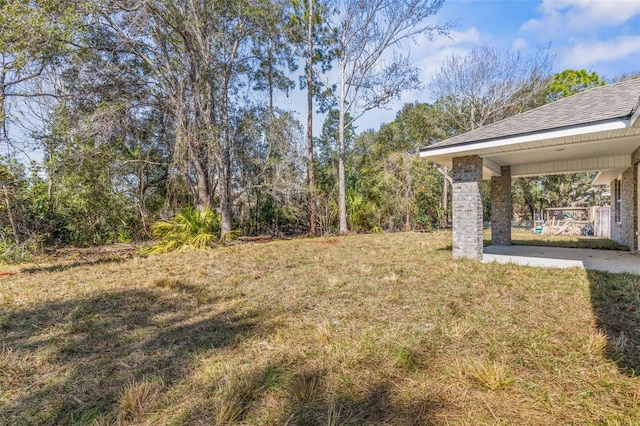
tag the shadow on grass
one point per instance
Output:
(309, 404)
(308, 401)
(231, 400)
(59, 267)
(616, 303)
(68, 362)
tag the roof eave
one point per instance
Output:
(467, 148)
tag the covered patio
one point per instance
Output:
(614, 261)
(597, 130)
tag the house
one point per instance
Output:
(596, 130)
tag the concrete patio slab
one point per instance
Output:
(558, 257)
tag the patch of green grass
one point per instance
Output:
(530, 238)
(370, 329)
(406, 358)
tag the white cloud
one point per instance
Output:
(430, 54)
(519, 44)
(558, 16)
(588, 53)
(423, 44)
(470, 36)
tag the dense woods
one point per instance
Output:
(141, 109)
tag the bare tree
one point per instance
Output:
(486, 86)
(368, 76)
(199, 56)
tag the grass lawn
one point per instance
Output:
(530, 238)
(365, 329)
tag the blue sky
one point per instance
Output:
(597, 35)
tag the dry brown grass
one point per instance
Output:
(136, 398)
(374, 329)
(488, 374)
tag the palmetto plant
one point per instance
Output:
(359, 210)
(190, 229)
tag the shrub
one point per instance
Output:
(359, 210)
(191, 228)
(12, 253)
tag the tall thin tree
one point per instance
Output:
(368, 75)
(311, 35)
(311, 182)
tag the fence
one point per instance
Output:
(592, 221)
(602, 222)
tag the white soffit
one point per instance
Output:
(612, 162)
(607, 176)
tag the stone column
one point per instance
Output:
(467, 207)
(501, 210)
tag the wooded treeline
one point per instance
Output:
(142, 108)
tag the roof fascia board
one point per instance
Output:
(616, 124)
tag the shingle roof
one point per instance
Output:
(614, 101)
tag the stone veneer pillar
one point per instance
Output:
(467, 207)
(501, 211)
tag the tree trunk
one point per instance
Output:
(311, 183)
(141, 203)
(3, 119)
(445, 201)
(224, 192)
(202, 187)
(224, 166)
(7, 202)
(342, 190)
(445, 195)
(528, 197)
(532, 210)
